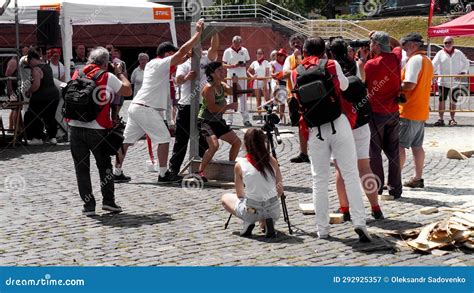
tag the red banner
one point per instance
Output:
(430, 17)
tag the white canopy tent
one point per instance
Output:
(91, 12)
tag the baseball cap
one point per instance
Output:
(383, 39)
(412, 37)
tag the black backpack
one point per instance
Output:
(81, 99)
(318, 99)
(356, 94)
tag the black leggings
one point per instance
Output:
(41, 115)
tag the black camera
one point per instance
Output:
(401, 99)
(270, 117)
(359, 43)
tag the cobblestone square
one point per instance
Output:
(42, 225)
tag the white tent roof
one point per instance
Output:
(83, 12)
(90, 12)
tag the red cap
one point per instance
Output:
(282, 52)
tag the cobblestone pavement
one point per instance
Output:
(41, 221)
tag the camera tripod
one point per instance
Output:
(269, 127)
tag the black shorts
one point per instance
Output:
(294, 111)
(210, 128)
(444, 92)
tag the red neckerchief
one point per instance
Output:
(260, 61)
(236, 51)
(310, 61)
(251, 161)
(448, 52)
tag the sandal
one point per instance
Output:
(440, 122)
(452, 122)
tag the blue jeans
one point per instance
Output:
(83, 142)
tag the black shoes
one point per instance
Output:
(246, 230)
(121, 178)
(89, 212)
(112, 207)
(301, 158)
(169, 178)
(363, 234)
(415, 183)
(347, 215)
(269, 228)
(378, 215)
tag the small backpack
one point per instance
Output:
(356, 94)
(318, 99)
(81, 99)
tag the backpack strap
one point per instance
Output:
(322, 65)
(98, 74)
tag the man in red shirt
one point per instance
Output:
(382, 76)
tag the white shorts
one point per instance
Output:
(142, 120)
(258, 84)
(362, 141)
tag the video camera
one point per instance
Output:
(359, 43)
(271, 119)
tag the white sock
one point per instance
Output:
(117, 171)
(163, 171)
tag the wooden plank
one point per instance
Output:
(217, 170)
(307, 208)
(428, 210)
(336, 218)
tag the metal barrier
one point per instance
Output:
(458, 90)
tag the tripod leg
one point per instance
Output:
(227, 223)
(285, 214)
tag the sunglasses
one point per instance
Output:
(448, 43)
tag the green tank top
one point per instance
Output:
(204, 112)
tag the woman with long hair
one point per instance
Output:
(258, 184)
(211, 124)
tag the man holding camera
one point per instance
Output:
(333, 137)
(382, 77)
(417, 76)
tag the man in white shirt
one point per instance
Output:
(449, 61)
(235, 60)
(184, 76)
(146, 113)
(88, 137)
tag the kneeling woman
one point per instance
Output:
(258, 183)
(211, 124)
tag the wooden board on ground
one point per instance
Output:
(336, 218)
(221, 184)
(428, 210)
(307, 208)
(217, 170)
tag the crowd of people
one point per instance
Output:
(333, 122)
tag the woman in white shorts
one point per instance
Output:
(368, 179)
(258, 184)
(260, 71)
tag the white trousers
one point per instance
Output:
(341, 145)
(244, 110)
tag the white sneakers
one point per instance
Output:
(35, 141)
